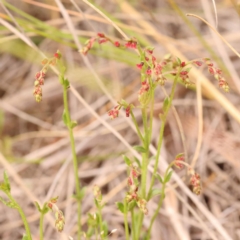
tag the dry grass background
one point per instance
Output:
(34, 145)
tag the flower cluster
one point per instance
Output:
(100, 38)
(113, 113)
(132, 194)
(59, 218)
(195, 180)
(39, 76)
(216, 72)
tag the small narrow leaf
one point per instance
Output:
(38, 206)
(6, 181)
(73, 124)
(179, 61)
(131, 205)
(120, 206)
(105, 229)
(127, 160)
(155, 192)
(159, 178)
(140, 149)
(66, 83)
(165, 104)
(25, 237)
(138, 162)
(167, 179)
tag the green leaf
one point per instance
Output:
(165, 104)
(105, 229)
(159, 178)
(155, 192)
(138, 162)
(66, 83)
(97, 203)
(45, 208)
(167, 179)
(25, 237)
(131, 205)
(82, 193)
(73, 124)
(64, 118)
(38, 206)
(11, 204)
(6, 181)
(179, 61)
(120, 206)
(127, 160)
(188, 69)
(140, 149)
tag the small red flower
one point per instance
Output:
(211, 70)
(57, 55)
(101, 35)
(149, 71)
(140, 65)
(117, 44)
(103, 40)
(183, 64)
(128, 111)
(114, 112)
(198, 63)
(131, 44)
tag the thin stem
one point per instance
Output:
(74, 155)
(133, 225)
(100, 221)
(24, 219)
(162, 196)
(126, 220)
(41, 226)
(144, 155)
(160, 140)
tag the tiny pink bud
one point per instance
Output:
(117, 44)
(149, 71)
(140, 65)
(198, 63)
(183, 64)
(100, 41)
(101, 35)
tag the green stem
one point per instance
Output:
(24, 219)
(133, 225)
(41, 226)
(126, 220)
(100, 222)
(144, 155)
(74, 155)
(160, 140)
(162, 196)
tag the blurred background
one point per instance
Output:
(34, 143)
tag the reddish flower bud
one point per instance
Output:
(57, 55)
(198, 63)
(101, 35)
(117, 44)
(131, 44)
(211, 70)
(149, 71)
(183, 64)
(140, 65)
(100, 41)
(128, 111)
